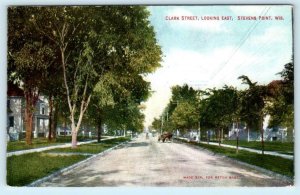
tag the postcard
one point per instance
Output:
(150, 96)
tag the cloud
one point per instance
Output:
(213, 64)
(209, 69)
(179, 67)
(248, 10)
(272, 35)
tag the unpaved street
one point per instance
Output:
(146, 162)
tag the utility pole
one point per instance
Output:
(162, 123)
(199, 132)
(167, 116)
(237, 137)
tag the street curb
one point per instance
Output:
(263, 170)
(69, 168)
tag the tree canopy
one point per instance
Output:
(87, 42)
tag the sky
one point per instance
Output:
(211, 53)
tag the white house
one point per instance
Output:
(15, 114)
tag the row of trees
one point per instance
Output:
(88, 61)
(219, 108)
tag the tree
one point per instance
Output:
(181, 93)
(102, 98)
(92, 41)
(185, 116)
(52, 87)
(219, 108)
(29, 57)
(252, 106)
(124, 116)
(287, 75)
(281, 106)
(156, 124)
(116, 101)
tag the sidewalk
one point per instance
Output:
(286, 156)
(66, 145)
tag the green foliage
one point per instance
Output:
(282, 115)
(277, 146)
(181, 112)
(281, 94)
(89, 45)
(219, 108)
(288, 83)
(156, 124)
(182, 93)
(21, 145)
(125, 115)
(40, 142)
(29, 53)
(24, 169)
(185, 116)
(253, 104)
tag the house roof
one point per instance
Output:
(14, 90)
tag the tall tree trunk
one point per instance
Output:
(72, 95)
(222, 135)
(28, 125)
(199, 132)
(237, 137)
(55, 118)
(219, 132)
(208, 135)
(248, 134)
(31, 97)
(50, 117)
(99, 129)
(65, 127)
(74, 139)
(262, 137)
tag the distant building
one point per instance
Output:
(270, 134)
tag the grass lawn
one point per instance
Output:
(26, 168)
(36, 143)
(68, 139)
(42, 142)
(281, 147)
(272, 163)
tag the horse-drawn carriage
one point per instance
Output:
(166, 135)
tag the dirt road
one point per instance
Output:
(146, 162)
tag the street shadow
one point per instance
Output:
(138, 144)
(156, 170)
(89, 178)
(182, 160)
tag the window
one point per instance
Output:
(42, 109)
(11, 121)
(8, 103)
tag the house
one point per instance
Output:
(16, 113)
(41, 118)
(270, 134)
